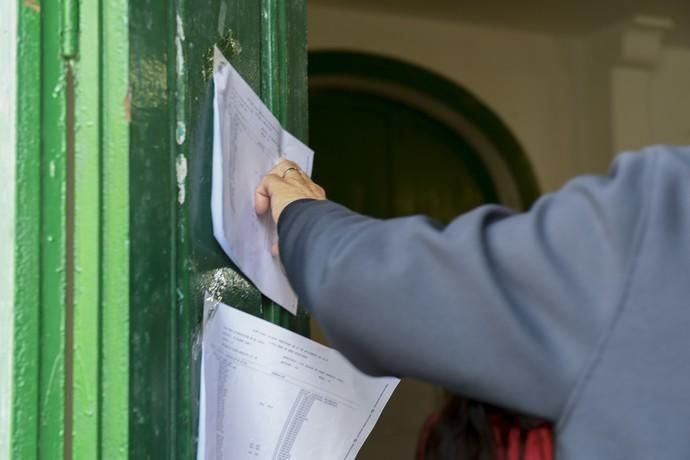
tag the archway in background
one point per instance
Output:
(395, 139)
(361, 104)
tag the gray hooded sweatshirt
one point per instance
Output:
(577, 311)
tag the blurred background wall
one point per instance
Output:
(574, 82)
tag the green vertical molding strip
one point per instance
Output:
(280, 91)
(25, 415)
(274, 45)
(85, 409)
(152, 194)
(181, 430)
(53, 267)
(295, 89)
(114, 393)
(8, 91)
(70, 27)
(294, 92)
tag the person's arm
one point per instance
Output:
(502, 307)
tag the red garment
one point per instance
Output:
(538, 445)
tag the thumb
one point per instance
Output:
(262, 195)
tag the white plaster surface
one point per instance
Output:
(8, 47)
(555, 92)
(524, 77)
(670, 105)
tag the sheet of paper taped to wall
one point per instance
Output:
(270, 394)
(247, 142)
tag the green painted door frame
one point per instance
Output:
(40, 225)
(114, 248)
(70, 313)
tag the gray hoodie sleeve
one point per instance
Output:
(499, 306)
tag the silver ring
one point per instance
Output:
(287, 171)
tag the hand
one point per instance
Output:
(283, 184)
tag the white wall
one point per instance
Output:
(670, 103)
(553, 92)
(8, 35)
(524, 77)
(648, 82)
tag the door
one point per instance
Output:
(386, 159)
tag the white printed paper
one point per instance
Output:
(247, 142)
(270, 394)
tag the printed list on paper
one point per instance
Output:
(270, 394)
(247, 142)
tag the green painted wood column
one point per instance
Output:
(99, 409)
(70, 311)
(175, 258)
(114, 248)
(41, 272)
(115, 277)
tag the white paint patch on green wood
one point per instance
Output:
(8, 78)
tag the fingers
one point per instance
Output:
(319, 191)
(262, 201)
(286, 169)
(280, 172)
(283, 184)
(284, 164)
(262, 196)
